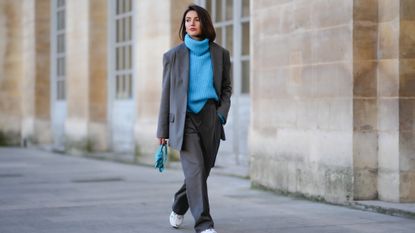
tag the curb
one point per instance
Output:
(383, 210)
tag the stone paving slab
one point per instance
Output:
(53, 193)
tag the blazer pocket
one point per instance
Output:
(222, 133)
(171, 117)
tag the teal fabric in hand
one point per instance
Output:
(160, 158)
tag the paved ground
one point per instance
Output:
(49, 193)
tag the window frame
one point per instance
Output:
(58, 45)
(122, 46)
(236, 52)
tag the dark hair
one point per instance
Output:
(206, 25)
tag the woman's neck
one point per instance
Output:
(196, 37)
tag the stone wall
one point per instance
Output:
(301, 137)
(11, 71)
(332, 88)
(24, 71)
(407, 101)
(25, 80)
(86, 78)
(77, 74)
(384, 91)
(42, 89)
(98, 75)
(388, 99)
(333, 98)
(28, 103)
(365, 105)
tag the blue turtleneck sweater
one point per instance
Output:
(201, 86)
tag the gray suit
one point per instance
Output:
(195, 135)
(175, 84)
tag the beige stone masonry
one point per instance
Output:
(333, 98)
(11, 70)
(407, 101)
(388, 100)
(98, 74)
(154, 38)
(365, 109)
(77, 73)
(301, 137)
(86, 122)
(24, 72)
(42, 88)
(28, 101)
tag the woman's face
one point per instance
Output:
(192, 25)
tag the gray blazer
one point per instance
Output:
(173, 104)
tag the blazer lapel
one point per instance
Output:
(215, 57)
(184, 66)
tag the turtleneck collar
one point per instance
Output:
(198, 47)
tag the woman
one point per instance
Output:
(194, 106)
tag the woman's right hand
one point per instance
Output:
(163, 141)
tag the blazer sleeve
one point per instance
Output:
(163, 120)
(226, 92)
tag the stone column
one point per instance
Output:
(28, 69)
(365, 109)
(86, 122)
(11, 71)
(388, 100)
(77, 74)
(154, 38)
(25, 52)
(407, 101)
(396, 99)
(98, 74)
(36, 72)
(42, 88)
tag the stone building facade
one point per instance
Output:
(86, 75)
(67, 70)
(324, 90)
(333, 107)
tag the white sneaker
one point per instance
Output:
(211, 230)
(176, 220)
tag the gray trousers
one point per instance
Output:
(200, 145)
